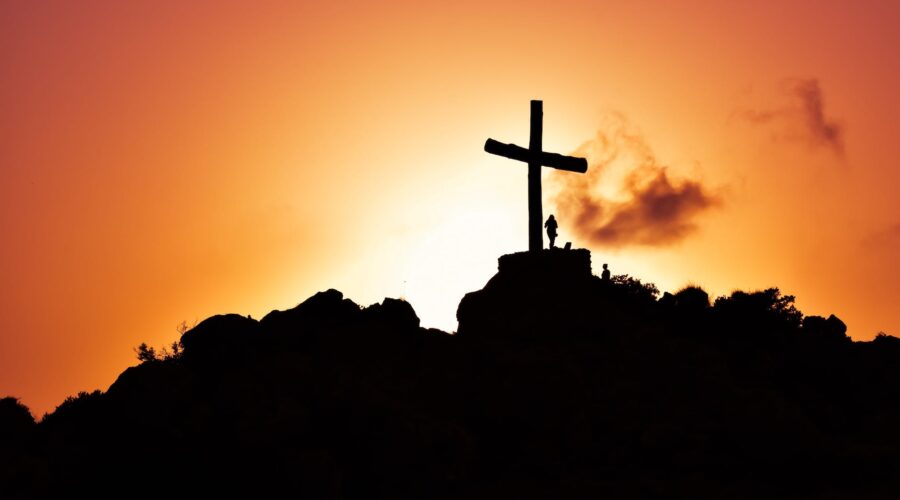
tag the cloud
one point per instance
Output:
(650, 208)
(803, 111)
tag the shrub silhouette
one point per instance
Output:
(75, 408)
(692, 298)
(14, 415)
(16, 423)
(831, 330)
(765, 317)
(886, 341)
(633, 287)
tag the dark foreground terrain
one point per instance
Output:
(556, 385)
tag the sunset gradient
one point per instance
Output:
(161, 162)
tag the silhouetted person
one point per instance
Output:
(551, 226)
(605, 275)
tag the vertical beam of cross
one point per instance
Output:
(535, 211)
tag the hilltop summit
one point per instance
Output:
(533, 294)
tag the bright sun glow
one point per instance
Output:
(449, 261)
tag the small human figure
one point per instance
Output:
(551, 226)
(605, 275)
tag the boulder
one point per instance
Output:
(217, 334)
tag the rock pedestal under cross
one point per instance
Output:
(535, 157)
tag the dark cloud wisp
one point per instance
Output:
(805, 111)
(651, 208)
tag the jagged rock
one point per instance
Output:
(322, 309)
(393, 313)
(217, 334)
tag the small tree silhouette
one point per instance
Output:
(145, 353)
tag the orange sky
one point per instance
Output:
(162, 162)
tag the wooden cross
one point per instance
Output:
(536, 158)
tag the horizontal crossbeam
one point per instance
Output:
(552, 160)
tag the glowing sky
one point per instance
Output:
(165, 161)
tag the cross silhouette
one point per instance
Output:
(536, 158)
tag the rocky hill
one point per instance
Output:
(558, 384)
